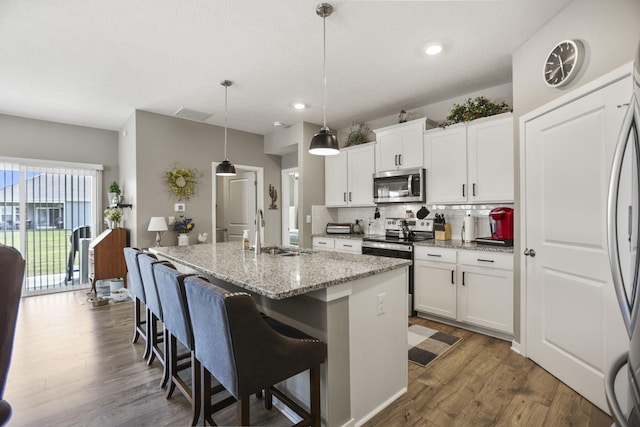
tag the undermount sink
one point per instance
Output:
(283, 251)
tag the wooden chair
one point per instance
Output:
(177, 326)
(246, 353)
(11, 278)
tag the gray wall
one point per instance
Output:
(163, 142)
(43, 140)
(310, 182)
(610, 31)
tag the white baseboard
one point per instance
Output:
(380, 408)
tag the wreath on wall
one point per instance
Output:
(181, 182)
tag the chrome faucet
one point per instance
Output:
(259, 225)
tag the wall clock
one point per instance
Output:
(563, 63)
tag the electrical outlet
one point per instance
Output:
(308, 219)
(380, 304)
(179, 207)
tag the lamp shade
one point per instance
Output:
(225, 169)
(324, 143)
(157, 223)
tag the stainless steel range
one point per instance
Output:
(397, 242)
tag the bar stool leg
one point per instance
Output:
(314, 391)
(136, 320)
(150, 322)
(169, 344)
(243, 411)
(196, 389)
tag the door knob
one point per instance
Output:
(530, 252)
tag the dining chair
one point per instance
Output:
(146, 262)
(137, 290)
(246, 354)
(177, 324)
(11, 277)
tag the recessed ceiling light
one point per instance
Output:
(433, 49)
(299, 106)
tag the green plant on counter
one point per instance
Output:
(474, 109)
(358, 133)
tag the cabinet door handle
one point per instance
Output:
(347, 246)
(474, 189)
(463, 188)
(349, 195)
(485, 260)
(344, 196)
(322, 243)
(452, 278)
(435, 255)
(463, 284)
(400, 159)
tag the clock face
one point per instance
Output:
(562, 63)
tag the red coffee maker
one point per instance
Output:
(501, 223)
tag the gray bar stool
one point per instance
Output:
(137, 290)
(177, 325)
(146, 262)
(246, 353)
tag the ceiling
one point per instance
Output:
(92, 63)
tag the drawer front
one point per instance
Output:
(487, 259)
(323, 243)
(348, 245)
(427, 253)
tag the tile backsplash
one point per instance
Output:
(454, 215)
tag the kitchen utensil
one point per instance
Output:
(422, 213)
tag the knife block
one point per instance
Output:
(443, 234)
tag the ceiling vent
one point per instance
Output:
(198, 116)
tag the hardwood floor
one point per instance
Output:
(74, 365)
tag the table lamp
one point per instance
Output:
(157, 224)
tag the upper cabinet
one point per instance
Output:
(349, 177)
(400, 146)
(471, 162)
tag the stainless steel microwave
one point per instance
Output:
(399, 186)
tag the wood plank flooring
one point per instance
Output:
(74, 365)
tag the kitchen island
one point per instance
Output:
(354, 303)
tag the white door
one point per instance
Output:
(389, 147)
(240, 205)
(335, 180)
(435, 288)
(412, 154)
(573, 325)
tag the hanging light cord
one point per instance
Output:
(324, 65)
(225, 122)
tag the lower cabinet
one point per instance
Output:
(435, 281)
(471, 287)
(337, 244)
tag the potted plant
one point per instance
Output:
(183, 226)
(113, 216)
(114, 193)
(474, 109)
(358, 133)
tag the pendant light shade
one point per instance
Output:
(324, 143)
(225, 168)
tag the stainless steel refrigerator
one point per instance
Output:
(622, 380)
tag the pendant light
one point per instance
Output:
(225, 168)
(324, 143)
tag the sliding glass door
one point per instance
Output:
(49, 211)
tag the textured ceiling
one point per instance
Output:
(92, 63)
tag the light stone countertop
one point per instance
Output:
(449, 244)
(277, 276)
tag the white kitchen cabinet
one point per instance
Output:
(353, 246)
(471, 162)
(485, 294)
(323, 243)
(472, 288)
(337, 244)
(400, 146)
(349, 177)
(490, 161)
(447, 167)
(435, 281)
